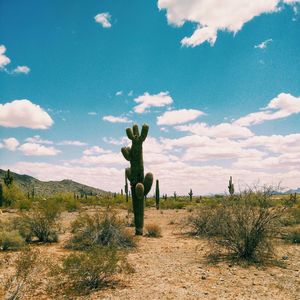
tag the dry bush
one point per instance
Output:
(24, 281)
(10, 240)
(92, 269)
(102, 228)
(41, 224)
(244, 225)
(153, 230)
(293, 236)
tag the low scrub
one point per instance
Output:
(92, 269)
(172, 204)
(102, 228)
(153, 230)
(40, 224)
(11, 240)
(293, 236)
(244, 225)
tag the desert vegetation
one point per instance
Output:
(93, 243)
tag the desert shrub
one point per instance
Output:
(243, 225)
(153, 230)
(41, 224)
(24, 280)
(102, 228)
(92, 269)
(12, 195)
(293, 236)
(11, 240)
(172, 204)
(23, 204)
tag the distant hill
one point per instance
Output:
(48, 188)
(293, 191)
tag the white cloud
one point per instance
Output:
(38, 140)
(10, 144)
(114, 141)
(147, 101)
(103, 19)
(4, 60)
(212, 16)
(23, 113)
(95, 150)
(119, 93)
(32, 149)
(103, 159)
(71, 143)
(178, 116)
(21, 70)
(113, 119)
(263, 45)
(223, 130)
(280, 107)
(92, 113)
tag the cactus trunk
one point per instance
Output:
(140, 185)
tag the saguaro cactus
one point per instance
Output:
(231, 186)
(175, 196)
(157, 194)
(8, 179)
(140, 184)
(126, 188)
(191, 195)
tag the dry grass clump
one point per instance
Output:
(10, 240)
(153, 230)
(102, 228)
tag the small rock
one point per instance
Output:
(203, 277)
(285, 257)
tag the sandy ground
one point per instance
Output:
(175, 266)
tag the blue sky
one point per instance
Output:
(85, 70)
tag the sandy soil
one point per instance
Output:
(175, 266)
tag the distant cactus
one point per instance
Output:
(191, 195)
(1, 195)
(166, 197)
(32, 193)
(8, 179)
(231, 186)
(157, 194)
(126, 188)
(293, 198)
(140, 184)
(175, 196)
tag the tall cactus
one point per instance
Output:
(8, 179)
(157, 196)
(231, 186)
(191, 195)
(175, 196)
(140, 184)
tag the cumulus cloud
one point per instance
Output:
(10, 144)
(71, 143)
(263, 45)
(33, 149)
(21, 70)
(95, 150)
(223, 130)
(212, 16)
(38, 140)
(4, 60)
(24, 113)
(146, 101)
(103, 19)
(179, 116)
(280, 107)
(119, 93)
(113, 119)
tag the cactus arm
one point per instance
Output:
(126, 151)
(129, 133)
(148, 181)
(135, 130)
(144, 132)
(128, 173)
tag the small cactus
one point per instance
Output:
(231, 186)
(1, 195)
(175, 196)
(191, 195)
(140, 184)
(157, 194)
(126, 188)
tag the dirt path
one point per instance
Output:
(174, 267)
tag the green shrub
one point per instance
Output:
(102, 228)
(11, 240)
(92, 269)
(172, 204)
(153, 230)
(39, 224)
(293, 236)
